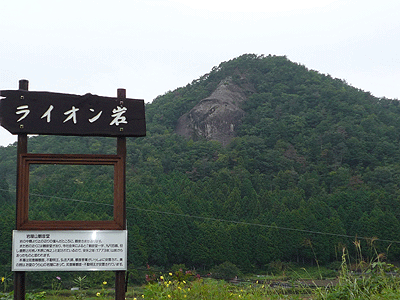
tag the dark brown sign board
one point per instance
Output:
(67, 114)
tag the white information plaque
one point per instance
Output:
(69, 250)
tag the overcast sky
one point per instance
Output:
(150, 47)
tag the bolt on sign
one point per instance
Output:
(67, 114)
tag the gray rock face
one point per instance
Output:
(215, 117)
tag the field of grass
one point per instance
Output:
(376, 284)
(373, 280)
(351, 287)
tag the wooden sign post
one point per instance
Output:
(23, 112)
(22, 148)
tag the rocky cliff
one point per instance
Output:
(215, 117)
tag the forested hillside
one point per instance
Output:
(314, 164)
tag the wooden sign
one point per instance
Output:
(23, 112)
(66, 114)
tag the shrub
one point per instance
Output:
(277, 267)
(226, 271)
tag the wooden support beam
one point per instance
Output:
(19, 276)
(121, 151)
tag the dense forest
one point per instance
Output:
(313, 167)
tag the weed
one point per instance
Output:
(81, 283)
(5, 282)
(372, 280)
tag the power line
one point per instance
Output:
(215, 219)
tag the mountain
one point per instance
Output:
(257, 161)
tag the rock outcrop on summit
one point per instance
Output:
(215, 117)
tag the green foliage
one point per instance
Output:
(377, 279)
(104, 292)
(277, 267)
(28, 296)
(6, 282)
(226, 271)
(80, 283)
(181, 290)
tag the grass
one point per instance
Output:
(375, 280)
(373, 284)
(214, 289)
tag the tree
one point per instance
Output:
(5, 196)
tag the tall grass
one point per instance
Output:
(375, 279)
(358, 279)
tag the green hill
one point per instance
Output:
(306, 161)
